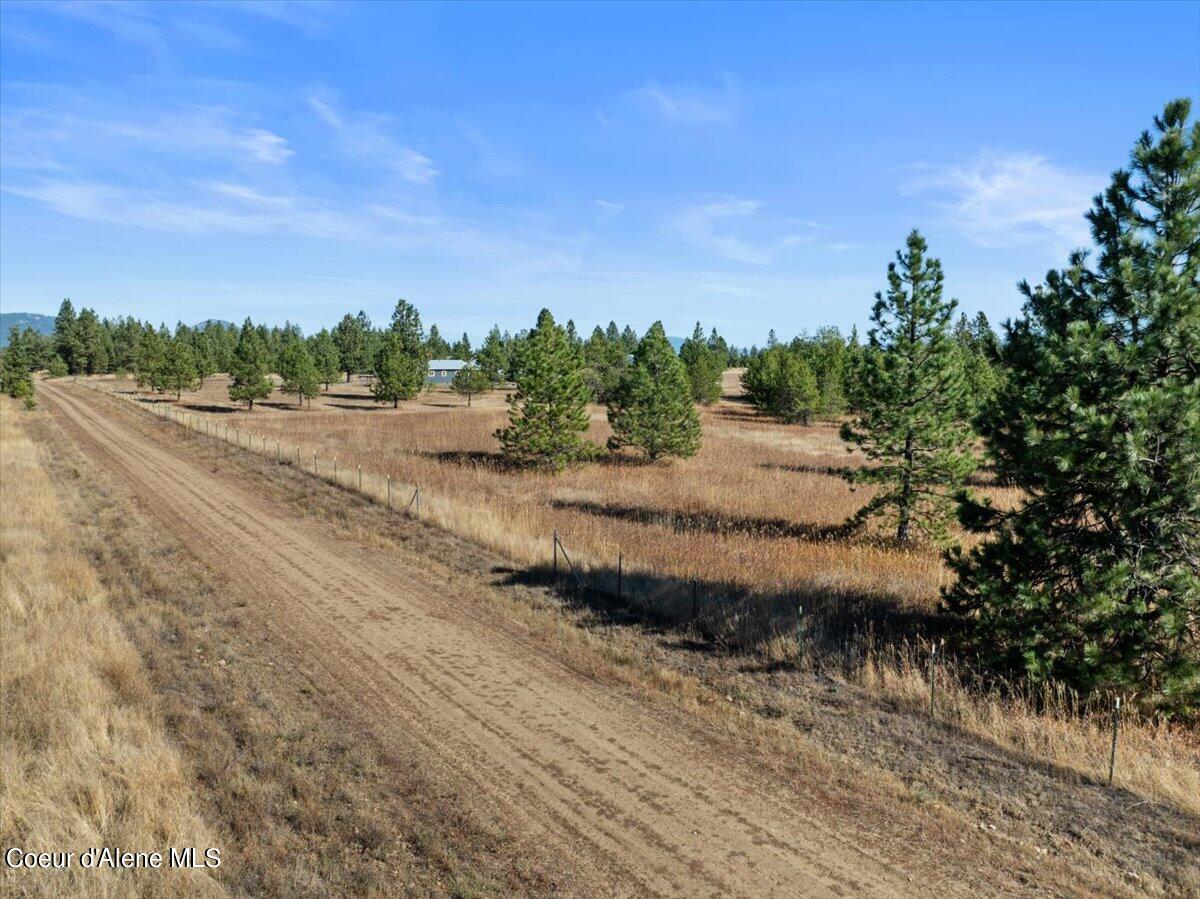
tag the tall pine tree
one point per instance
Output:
(652, 410)
(400, 369)
(248, 371)
(352, 337)
(492, 357)
(1094, 579)
(325, 356)
(178, 372)
(402, 360)
(705, 364)
(911, 423)
(548, 412)
(297, 370)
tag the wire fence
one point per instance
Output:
(729, 616)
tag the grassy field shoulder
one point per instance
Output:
(986, 767)
(303, 798)
(84, 757)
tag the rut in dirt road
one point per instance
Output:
(633, 801)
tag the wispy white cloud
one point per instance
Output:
(155, 27)
(1000, 199)
(196, 132)
(247, 194)
(740, 230)
(491, 160)
(306, 15)
(364, 136)
(681, 105)
(228, 207)
(699, 224)
(608, 210)
(225, 208)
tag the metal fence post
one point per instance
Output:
(418, 498)
(620, 572)
(389, 489)
(799, 629)
(932, 675)
(360, 479)
(1112, 753)
(556, 555)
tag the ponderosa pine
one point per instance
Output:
(1094, 579)
(911, 423)
(248, 372)
(548, 415)
(652, 410)
(297, 369)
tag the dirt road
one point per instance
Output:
(631, 798)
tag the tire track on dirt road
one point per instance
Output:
(628, 798)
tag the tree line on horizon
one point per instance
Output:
(1088, 405)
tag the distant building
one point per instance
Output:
(442, 371)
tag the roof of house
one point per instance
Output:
(446, 364)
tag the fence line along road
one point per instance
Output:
(377, 488)
(380, 489)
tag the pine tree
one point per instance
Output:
(402, 358)
(653, 411)
(205, 354)
(705, 365)
(297, 370)
(353, 342)
(15, 378)
(89, 344)
(913, 395)
(151, 358)
(66, 338)
(400, 369)
(796, 396)
(548, 411)
(249, 369)
(468, 381)
(325, 357)
(780, 382)
(827, 358)
(1094, 579)
(605, 362)
(462, 348)
(178, 370)
(435, 346)
(406, 321)
(492, 357)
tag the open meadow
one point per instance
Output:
(758, 509)
(727, 546)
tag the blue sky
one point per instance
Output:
(749, 166)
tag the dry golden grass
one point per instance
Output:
(83, 759)
(751, 520)
(1054, 725)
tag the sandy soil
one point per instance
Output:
(631, 796)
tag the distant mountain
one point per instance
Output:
(212, 321)
(43, 324)
(676, 342)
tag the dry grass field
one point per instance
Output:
(755, 510)
(727, 545)
(310, 787)
(84, 756)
